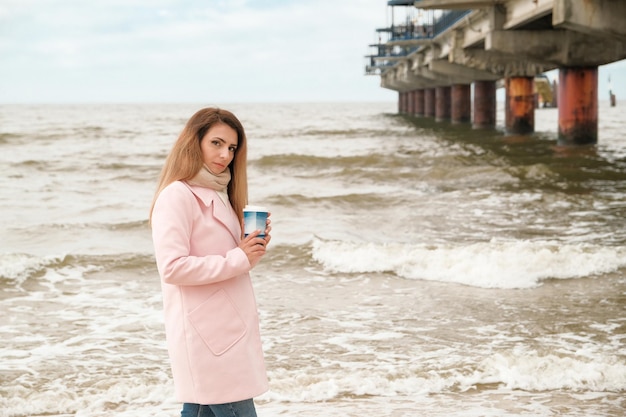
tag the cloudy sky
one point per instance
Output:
(57, 51)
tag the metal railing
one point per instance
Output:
(447, 19)
(429, 29)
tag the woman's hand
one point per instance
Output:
(268, 229)
(254, 246)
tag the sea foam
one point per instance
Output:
(493, 264)
(18, 267)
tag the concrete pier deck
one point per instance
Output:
(435, 44)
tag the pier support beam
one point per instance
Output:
(442, 103)
(520, 105)
(461, 103)
(419, 102)
(484, 104)
(406, 102)
(407, 97)
(429, 102)
(410, 101)
(401, 102)
(578, 106)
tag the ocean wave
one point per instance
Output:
(17, 268)
(344, 133)
(529, 372)
(288, 258)
(494, 264)
(533, 371)
(56, 166)
(6, 138)
(331, 202)
(123, 226)
(31, 163)
(399, 169)
(121, 166)
(132, 225)
(314, 163)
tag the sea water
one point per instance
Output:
(416, 268)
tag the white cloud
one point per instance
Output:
(168, 50)
(186, 46)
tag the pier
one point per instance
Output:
(446, 58)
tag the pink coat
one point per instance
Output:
(211, 318)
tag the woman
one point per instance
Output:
(211, 319)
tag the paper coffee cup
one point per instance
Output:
(254, 218)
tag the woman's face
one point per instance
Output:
(218, 147)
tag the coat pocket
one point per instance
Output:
(218, 322)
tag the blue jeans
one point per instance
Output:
(243, 408)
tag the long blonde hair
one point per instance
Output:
(185, 159)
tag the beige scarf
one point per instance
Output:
(219, 183)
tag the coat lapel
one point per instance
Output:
(223, 213)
